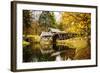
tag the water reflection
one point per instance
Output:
(39, 52)
(64, 51)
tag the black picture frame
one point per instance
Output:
(14, 35)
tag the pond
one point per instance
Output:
(37, 52)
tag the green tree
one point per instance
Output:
(47, 19)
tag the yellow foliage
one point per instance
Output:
(25, 43)
(35, 38)
(75, 22)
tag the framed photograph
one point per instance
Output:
(47, 36)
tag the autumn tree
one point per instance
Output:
(76, 22)
(27, 20)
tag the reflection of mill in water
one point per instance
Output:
(63, 52)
